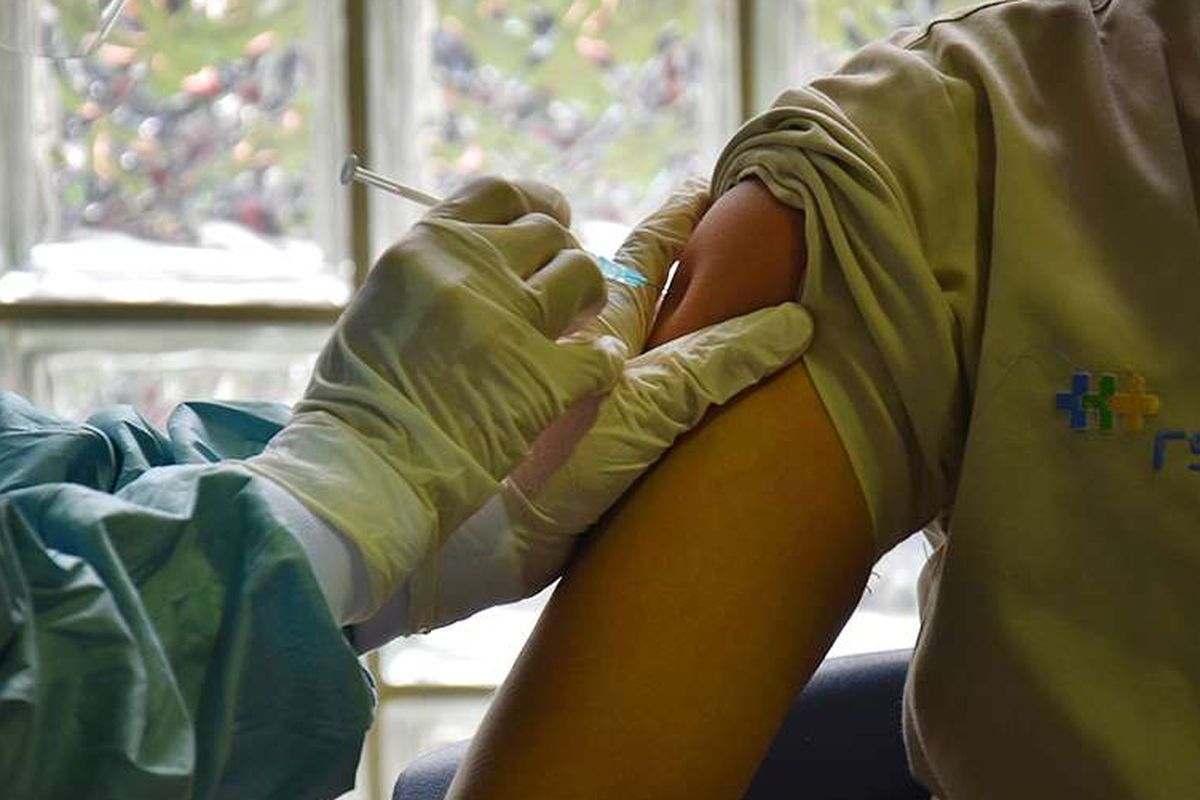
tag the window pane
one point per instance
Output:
(73, 370)
(613, 103)
(598, 99)
(479, 651)
(799, 40)
(886, 617)
(177, 161)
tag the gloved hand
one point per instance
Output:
(521, 539)
(441, 373)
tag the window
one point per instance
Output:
(171, 165)
(171, 227)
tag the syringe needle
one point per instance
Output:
(352, 170)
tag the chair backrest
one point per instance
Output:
(841, 739)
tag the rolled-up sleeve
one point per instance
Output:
(884, 160)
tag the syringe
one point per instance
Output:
(353, 170)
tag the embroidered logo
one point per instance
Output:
(1106, 403)
(1133, 403)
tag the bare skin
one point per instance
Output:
(671, 651)
(746, 253)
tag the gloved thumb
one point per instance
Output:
(658, 239)
(681, 379)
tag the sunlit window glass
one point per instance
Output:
(74, 369)
(598, 98)
(176, 160)
(614, 102)
(799, 40)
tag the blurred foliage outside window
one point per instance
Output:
(599, 98)
(185, 116)
(175, 163)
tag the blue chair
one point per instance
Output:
(841, 739)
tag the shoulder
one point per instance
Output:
(998, 19)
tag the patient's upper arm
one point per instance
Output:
(747, 253)
(710, 593)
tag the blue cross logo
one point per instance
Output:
(1072, 401)
(1134, 403)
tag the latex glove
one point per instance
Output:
(583, 463)
(651, 248)
(441, 373)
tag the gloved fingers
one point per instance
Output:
(678, 381)
(578, 467)
(658, 240)
(662, 394)
(566, 290)
(650, 249)
(529, 242)
(628, 314)
(497, 201)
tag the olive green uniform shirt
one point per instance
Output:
(1004, 258)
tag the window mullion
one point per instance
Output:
(723, 109)
(358, 116)
(398, 93)
(785, 51)
(748, 35)
(17, 212)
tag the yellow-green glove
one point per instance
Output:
(442, 372)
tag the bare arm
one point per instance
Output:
(746, 253)
(671, 651)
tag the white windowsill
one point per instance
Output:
(230, 265)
